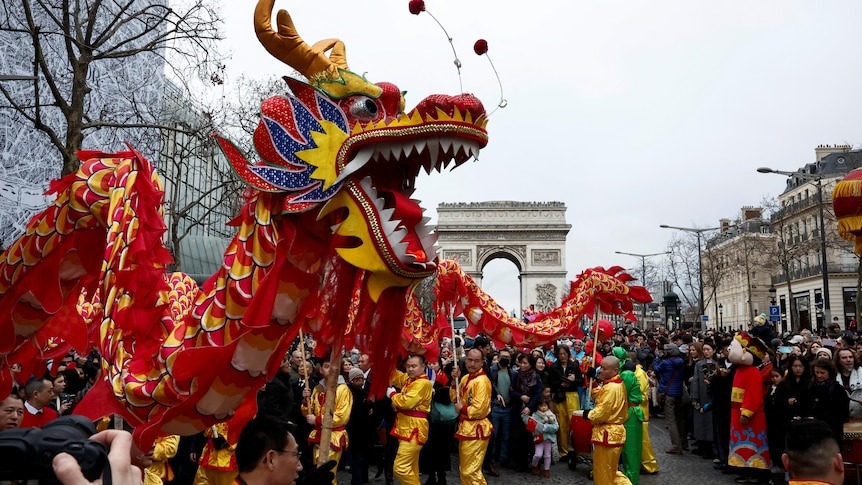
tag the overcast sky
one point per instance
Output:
(632, 113)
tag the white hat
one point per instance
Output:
(796, 339)
(824, 350)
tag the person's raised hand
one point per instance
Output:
(119, 444)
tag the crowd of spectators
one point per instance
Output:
(804, 375)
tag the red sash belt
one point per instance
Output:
(465, 418)
(633, 405)
(413, 414)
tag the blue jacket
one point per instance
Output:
(544, 432)
(670, 374)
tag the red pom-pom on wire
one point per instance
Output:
(480, 47)
(416, 6)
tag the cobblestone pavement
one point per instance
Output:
(673, 469)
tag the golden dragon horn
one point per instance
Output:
(287, 46)
(338, 56)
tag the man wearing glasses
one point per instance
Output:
(267, 454)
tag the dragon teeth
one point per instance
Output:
(433, 151)
(358, 162)
(389, 227)
(445, 144)
(420, 146)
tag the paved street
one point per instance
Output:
(673, 469)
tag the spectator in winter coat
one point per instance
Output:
(669, 369)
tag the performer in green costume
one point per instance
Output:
(631, 455)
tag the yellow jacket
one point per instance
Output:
(412, 406)
(340, 416)
(643, 380)
(610, 414)
(223, 459)
(164, 448)
(473, 423)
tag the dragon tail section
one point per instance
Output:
(594, 289)
(60, 254)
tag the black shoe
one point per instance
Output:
(564, 459)
(441, 478)
(432, 480)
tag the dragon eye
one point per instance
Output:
(364, 109)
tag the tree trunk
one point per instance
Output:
(75, 115)
(795, 323)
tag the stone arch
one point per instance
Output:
(508, 253)
(532, 235)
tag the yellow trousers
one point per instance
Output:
(406, 466)
(333, 455)
(472, 454)
(648, 463)
(564, 411)
(606, 463)
(208, 476)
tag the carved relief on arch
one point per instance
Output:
(464, 256)
(518, 254)
(546, 257)
(546, 296)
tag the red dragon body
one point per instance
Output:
(329, 241)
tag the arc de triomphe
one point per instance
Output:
(532, 235)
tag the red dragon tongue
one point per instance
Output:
(466, 103)
(409, 212)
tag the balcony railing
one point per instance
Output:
(814, 271)
(793, 208)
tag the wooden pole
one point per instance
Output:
(595, 349)
(304, 362)
(329, 404)
(454, 355)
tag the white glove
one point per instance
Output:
(390, 391)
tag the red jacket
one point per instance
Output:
(38, 420)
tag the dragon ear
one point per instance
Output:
(241, 166)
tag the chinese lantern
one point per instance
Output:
(847, 202)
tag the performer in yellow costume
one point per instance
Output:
(411, 406)
(474, 428)
(217, 465)
(160, 471)
(648, 462)
(608, 418)
(312, 409)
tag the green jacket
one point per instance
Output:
(633, 393)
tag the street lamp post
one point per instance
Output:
(697, 232)
(824, 268)
(643, 273)
(721, 317)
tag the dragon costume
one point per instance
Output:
(328, 240)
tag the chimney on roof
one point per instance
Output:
(823, 151)
(724, 224)
(749, 213)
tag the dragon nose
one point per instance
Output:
(466, 103)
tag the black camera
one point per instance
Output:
(27, 453)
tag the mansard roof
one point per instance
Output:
(834, 165)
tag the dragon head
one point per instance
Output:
(346, 148)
